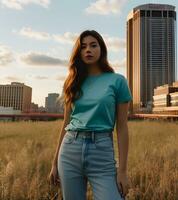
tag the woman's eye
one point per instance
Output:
(93, 46)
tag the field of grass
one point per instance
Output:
(27, 149)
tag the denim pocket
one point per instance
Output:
(68, 138)
(104, 143)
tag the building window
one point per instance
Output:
(164, 13)
(156, 13)
(142, 13)
(172, 14)
(148, 13)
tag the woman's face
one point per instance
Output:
(90, 50)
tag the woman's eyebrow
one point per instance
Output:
(83, 43)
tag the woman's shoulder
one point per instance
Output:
(117, 75)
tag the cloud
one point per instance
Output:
(19, 4)
(17, 78)
(115, 43)
(60, 78)
(106, 7)
(117, 64)
(41, 77)
(39, 59)
(6, 55)
(28, 32)
(66, 37)
(12, 78)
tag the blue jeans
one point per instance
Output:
(82, 159)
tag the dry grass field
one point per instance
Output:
(27, 148)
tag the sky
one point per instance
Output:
(37, 37)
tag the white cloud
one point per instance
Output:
(115, 43)
(41, 77)
(39, 59)
(13, 78)
(28, 32)
(117, 64)
(105, 7)
(60, 77)
(67, 37)
(19, 4)
(6, 55)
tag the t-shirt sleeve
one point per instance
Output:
(123, 93)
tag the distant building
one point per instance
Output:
(42, 109)
(165, 98)
(60, 102)
(8, 110)
(51, 103)
(34, 107)
(151, 51)
(16, 95)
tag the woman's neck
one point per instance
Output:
(94, 70)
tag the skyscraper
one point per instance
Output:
(151, 51)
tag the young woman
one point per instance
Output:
(95, 98)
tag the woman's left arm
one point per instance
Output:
(123, 145)
(122, 135)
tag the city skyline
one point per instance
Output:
(36, 43)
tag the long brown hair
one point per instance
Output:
(77, 69)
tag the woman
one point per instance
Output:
(95, 98)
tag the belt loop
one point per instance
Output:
(75, 134)
(93, 136)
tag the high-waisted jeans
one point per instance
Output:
(83, 158)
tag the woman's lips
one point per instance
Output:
(89, 57)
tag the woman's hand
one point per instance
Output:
(123, 183)
(53, 177)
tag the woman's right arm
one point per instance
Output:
(67, 112)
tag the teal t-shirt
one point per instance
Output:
(95, 110)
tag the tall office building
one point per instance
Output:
(151, 51)
(16, 95)
(51, 104)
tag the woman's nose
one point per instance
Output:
(88, 49)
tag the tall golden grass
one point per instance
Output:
(27, 149)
